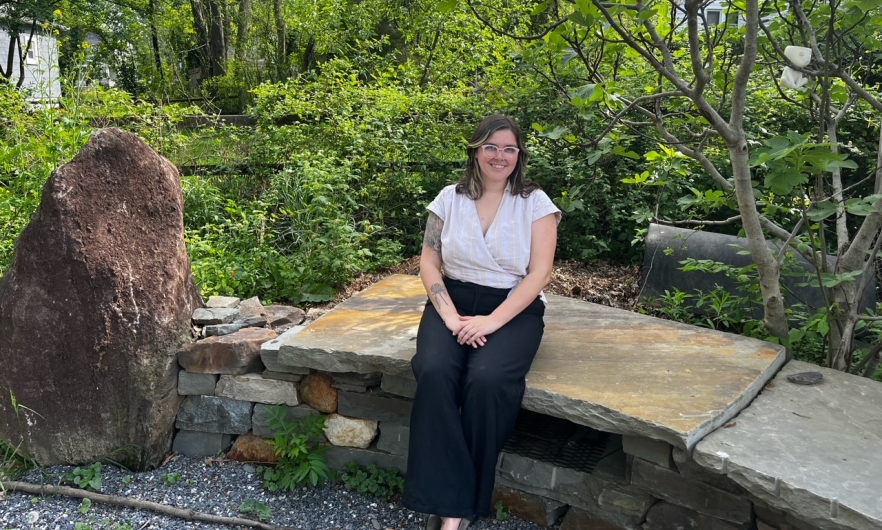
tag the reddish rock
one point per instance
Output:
(94, 307)
(317, 392)
(234, 354)
(252, 448)
(535, 508)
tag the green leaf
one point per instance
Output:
(555, 133)
(782, 183)
(446, 6)
(821, 211)
(865, 5)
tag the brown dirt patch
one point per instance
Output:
(601, 282)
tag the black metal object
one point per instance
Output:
(667, 246)
(559, 442)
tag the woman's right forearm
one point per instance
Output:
(430, 274)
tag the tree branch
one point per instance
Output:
(115, 500)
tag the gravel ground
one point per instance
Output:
(214, 487)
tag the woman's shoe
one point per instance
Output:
(433, 522)
(466, 521)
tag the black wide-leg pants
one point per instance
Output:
(466, 403)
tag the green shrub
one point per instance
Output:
(301, 456)
(87, 478)
(372, 480)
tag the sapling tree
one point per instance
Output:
(697, 77)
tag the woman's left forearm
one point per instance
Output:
(522, 296)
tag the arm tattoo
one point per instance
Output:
(440, 293)
(432, 239)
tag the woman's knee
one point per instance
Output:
(431, 366)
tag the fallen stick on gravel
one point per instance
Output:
(190, 515)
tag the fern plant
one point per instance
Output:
(301, 455)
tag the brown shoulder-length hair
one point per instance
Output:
(470, 184)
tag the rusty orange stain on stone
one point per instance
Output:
(396, 286)
(635, 334)
(344, 321)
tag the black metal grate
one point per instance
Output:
(559, 442)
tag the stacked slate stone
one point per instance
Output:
(232, 379)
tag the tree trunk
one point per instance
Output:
(243, 27)
(281, 38)
(767, 266)
(154, 40)
(217, 48)
(201, 28)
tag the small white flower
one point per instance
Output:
(33, 517)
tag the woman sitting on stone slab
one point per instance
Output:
(493, 234)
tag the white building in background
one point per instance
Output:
(41, 73)
(716, 13)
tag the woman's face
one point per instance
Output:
(498, 166)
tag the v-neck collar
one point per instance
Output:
(495, 215)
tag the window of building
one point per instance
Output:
(713, 17)
(31, 55)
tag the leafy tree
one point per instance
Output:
(661, 70)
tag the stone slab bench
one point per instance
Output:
(609, 369)
(809, 450)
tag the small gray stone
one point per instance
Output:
(703, 498)
(399, 385)
(251, 307)
(350, 388)
(314, 313)
(196, 384)
(281, 315)
(195, 443)
(216, 330)
(222, 301)
(393, 438)
(253, 322)
(282, 376)
(655, 451)
(628, 499)
(253, 387)
(204, 316)
(352, 378)
(214, 414)
(375, 406)
(664, 516)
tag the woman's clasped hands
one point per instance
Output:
(472, 330)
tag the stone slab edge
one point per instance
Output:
(605, 419)
(826, 513)
(327, 360)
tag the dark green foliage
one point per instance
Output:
(372, 480)
(261, 510)
(301, 456)
(87, 478)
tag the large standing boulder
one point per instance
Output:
(93, 309)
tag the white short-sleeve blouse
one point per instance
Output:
(499, 259)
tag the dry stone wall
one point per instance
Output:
(635, 484)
